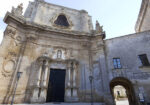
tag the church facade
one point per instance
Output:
(61, 57)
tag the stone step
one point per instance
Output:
(60, 104)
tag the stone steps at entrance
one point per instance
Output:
(72, 104)
(60, 104)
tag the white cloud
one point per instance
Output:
(6, 5)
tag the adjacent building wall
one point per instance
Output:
(127, 48)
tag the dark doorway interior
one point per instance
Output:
(56, 86)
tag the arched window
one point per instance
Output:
(62, 21)
(59, 54)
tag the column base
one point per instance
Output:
(36, 98)
(71, 95)
(71, 99)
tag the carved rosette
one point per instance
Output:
(9, 64)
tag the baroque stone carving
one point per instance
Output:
(9, 64)
(85, 44)
(17, 11)
(8, 67)
(99, 29)
(59, 53)
(39, 89)
(72, 88)
(10, 31)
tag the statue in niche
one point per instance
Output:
(17, 11)
(59, 54)
(99, 29)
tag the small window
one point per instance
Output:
(61, 21)
(144, 60)
(116, 62)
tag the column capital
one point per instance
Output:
(43, 59)
(72, 61)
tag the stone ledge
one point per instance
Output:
(145, 68)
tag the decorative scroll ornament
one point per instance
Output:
(10, 31)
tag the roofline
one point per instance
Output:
(24, 22)
(44, 2)
(128, 35)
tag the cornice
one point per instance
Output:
(50, 4)
(27, 25)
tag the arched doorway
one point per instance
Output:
(121, 81)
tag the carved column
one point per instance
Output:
(74, 74)
(71, 90)
(36, 87)
(68, 87)
(45, 73)
(75, 94)
(43, 86)
(69, 75)
(40, 90)
(39, 76)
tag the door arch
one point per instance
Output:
(127, 85)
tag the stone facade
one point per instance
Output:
(34, 44)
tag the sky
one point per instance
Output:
(118, 17)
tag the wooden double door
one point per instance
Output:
(56, 86)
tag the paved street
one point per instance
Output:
(122, 102)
